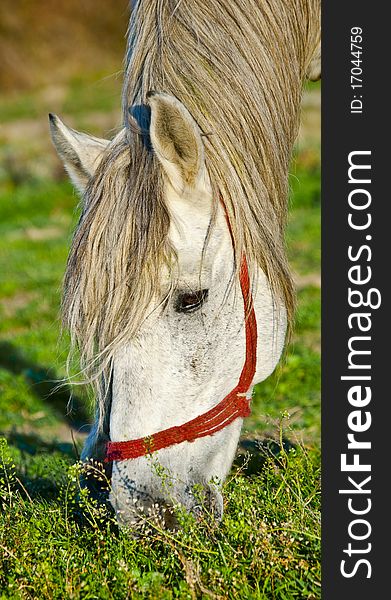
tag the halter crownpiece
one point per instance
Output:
(234, 405)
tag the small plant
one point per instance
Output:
(7, 476)
(267, 545)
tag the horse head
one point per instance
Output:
(167, 314)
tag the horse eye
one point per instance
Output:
(190, 301)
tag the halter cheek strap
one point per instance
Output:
(234, 405)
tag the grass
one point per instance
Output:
(268, 544)
(80, 96)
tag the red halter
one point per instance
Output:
(233, 406)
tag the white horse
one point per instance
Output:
(154, 293)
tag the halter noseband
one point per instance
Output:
(234, 405)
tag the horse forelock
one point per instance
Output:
(117, 252)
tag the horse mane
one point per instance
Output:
(239, 69)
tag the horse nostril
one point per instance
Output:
(170, 519)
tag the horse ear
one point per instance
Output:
(314, 70)
(80, 153)
(176, 140)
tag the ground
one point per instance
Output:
(268, 545)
